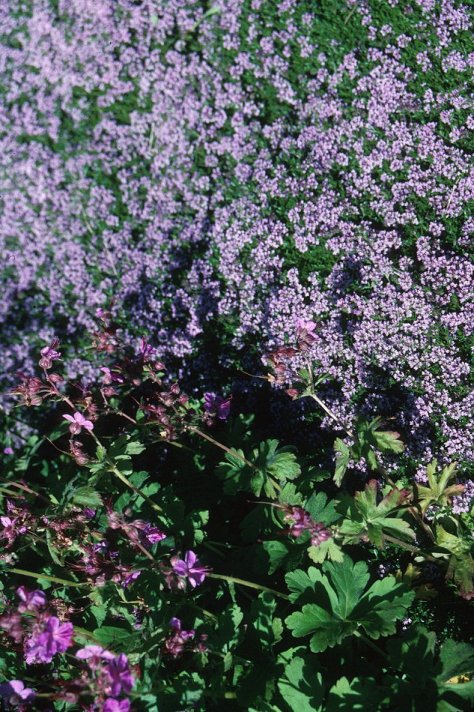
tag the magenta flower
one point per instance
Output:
(30, 600)
(129, 578)
(111, 705)
(148, 534)
(217, 405)
(305, 336)
(11, 529)
(49, 354)
(78, 422)
(119, 677)
(8, 451)
(110, 376)
(54, 637)
(15, 691)
(298, 519)
(175, 644)
(11, 623)
(188, 569)
(319, 533)
(146, 352)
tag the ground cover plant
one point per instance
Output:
(163, 553)
(236, 367)
(221, 170)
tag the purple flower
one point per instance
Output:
(305, 333)
(110, 376)
(319, 533)
(111, 705)
(8, 451)
(15, 691)
(78, 422)
(146, 352)
(298, 519)
(11, 623)
(30, 600)
(149, 534)
(11, 529)
(54, 637)
(49, 354)
(217, 405)
(119, 677)
(188, 569)
(129, 578)
(175, 644)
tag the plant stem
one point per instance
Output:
(249, 584)
(332, 415)
(115, 471)
(368, 642)
(53, 579)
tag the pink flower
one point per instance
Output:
(15, 691)
(111, 705)
(94, 655)
(305, 336)
(8, 451)
(188, 569)
(78, 422)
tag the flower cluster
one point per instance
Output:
(300, 521)
(276, 167)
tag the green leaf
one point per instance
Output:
(374, 519)
(301, 687)
(388, 441)
(438, 491)
(343, 456)
(110, 636)
(299, 582)
(86, 497)
(321, 509)
(279, 463)
(345, 604)
(326, 550)
(358, 694)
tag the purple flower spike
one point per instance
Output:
(15, 691)
(217, 405)
(78, 422)
(120, 678)
(111, 705)
(188, 569)
(30, 600)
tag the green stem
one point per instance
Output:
(371, 645)
(408, 547)
(53, 579)
(249, 584)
